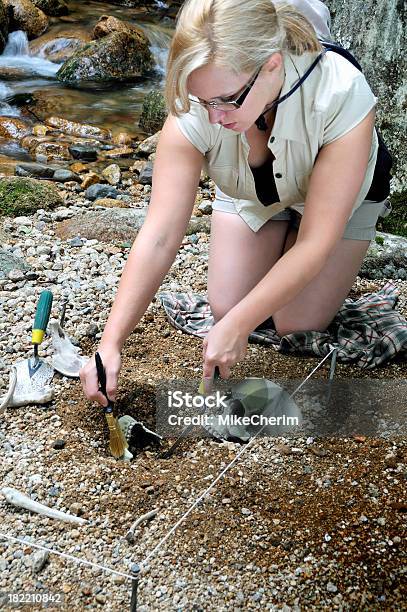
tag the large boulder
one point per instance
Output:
(396, 222)
(24, 15)
(24, 196)
(60, 47)
(375, 31)
(115, 225)
(121, 56)
(154, 112)
(386, 258)
(52, 7)
(3, 26)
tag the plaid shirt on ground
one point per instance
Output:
(367, 331)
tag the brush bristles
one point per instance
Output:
(118, 443)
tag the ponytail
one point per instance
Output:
(299, 34)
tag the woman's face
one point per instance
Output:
(215, 83)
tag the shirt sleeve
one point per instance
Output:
(348, 107)
(196, 128)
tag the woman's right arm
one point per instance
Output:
(177, 169)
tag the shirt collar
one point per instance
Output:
(289, 122)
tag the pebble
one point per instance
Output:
(58, 444)
(39, 560)
(331, 588)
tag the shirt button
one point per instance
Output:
(272, 139)
(278, 175)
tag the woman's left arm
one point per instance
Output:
(336, 179)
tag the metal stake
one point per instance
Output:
(134, 587)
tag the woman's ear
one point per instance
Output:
(274, 62)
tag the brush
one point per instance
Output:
(118, 443)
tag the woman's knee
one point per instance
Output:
(286, 325)
(220, 306)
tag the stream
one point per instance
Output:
(24, 69)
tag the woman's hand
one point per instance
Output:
(112, 362)
(224, 346)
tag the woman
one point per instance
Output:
(287, 133)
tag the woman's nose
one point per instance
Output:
(215, 115)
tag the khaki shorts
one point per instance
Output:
(361, 225)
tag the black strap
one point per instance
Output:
(260, 121)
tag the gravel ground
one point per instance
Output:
(315, 524)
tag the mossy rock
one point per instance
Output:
(52, 7)
(154, 112)
(121, 56)
(396, 222)
(24, 196)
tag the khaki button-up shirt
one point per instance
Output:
(333, 99)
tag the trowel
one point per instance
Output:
(30, 378)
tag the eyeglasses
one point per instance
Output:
(227, 105)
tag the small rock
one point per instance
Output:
(146, 175)
(76, 242)
(205, 207)
(123, 151)
(381, 521)
(319, 452)
(39, 560)
(76, 509)
(283, 449)
(90, 179)
(149, 145)
(86, 589)
(58, 444)
(63, 176)
(79, 167)
(82, 151)
(101, 191)
(331, 588)
(399, 506)
(91, 330)
(110, 203)
(16, 275)
(112, 174)
(122, 138)
(34, 170)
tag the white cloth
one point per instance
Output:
(317, 14)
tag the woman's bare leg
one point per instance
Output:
(317, 304)
(239, 258)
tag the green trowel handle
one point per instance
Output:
(41, 317)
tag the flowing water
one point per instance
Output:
(24, 69)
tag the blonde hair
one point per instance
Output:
(238, 34)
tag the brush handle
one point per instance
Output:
(41, 319)
(100, 368)
(215, 377)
